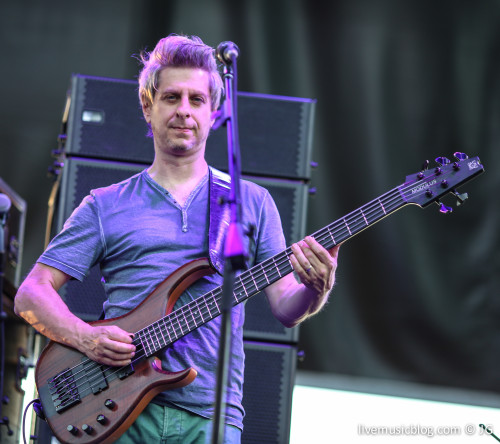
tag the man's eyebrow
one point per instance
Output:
(172, 90)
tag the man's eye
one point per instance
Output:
(169, 97)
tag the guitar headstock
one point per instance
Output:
(429, 185)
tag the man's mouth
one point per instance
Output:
(182, 128)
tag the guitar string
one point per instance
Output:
(324, 233)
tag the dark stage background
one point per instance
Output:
(396, 82)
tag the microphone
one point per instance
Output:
(226, 52)
(5, 204)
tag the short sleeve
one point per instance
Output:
(79, 245)
(270, 240)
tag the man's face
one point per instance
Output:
(180, 115)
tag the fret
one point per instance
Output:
(378, 213)
(364, 217)
(243, 286)
(171, 329)
(208, 308)
(214, 301)
(277, 268)
(187, 324)
(382, 205)
(171, 326)
(146, 345)
(347, 226)
(251, 282)
(200, 312)
(264, 273)
(372, 215)
(217, 305)
(179, 324)
(331, 235)
(238, 296)
(157, 343)
(166, 329)
(161, 333)
(255, 283)
(192, 315)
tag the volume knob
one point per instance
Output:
(87, 429)
(101, 419)
(110, 404)
(72, 429)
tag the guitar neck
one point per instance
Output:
(207, 307)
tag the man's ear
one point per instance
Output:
(146, 109)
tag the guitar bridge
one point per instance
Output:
(63, 390)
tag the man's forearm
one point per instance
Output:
(292, 302)
(42, 307)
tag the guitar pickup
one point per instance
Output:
(94, 376)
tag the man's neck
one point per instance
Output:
(179, 176)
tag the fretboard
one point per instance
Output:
(187, 318)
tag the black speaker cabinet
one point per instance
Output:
(105, 122)
(85, 299)
(267, 392)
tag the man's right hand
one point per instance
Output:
(108, 345)
(38, 302)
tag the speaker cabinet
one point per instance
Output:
(105, 121)
(267, 392)
(85, 299)
(275, 132)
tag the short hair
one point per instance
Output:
(179, 51)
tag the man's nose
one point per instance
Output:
(184, 108)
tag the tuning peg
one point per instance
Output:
(460, 156)
(461, 198)
(425, 166)
(443, 160)
(443, 208)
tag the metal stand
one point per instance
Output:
(234, 246)
(4, 211)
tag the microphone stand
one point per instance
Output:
(234, 247)
(5, 204)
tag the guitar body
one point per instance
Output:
(130, 394)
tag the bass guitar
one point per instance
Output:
(86, 402)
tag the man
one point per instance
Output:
(144, 228)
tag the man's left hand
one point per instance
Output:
(314, 265)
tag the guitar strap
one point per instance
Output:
(219, 208)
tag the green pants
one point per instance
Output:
(165, 425)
